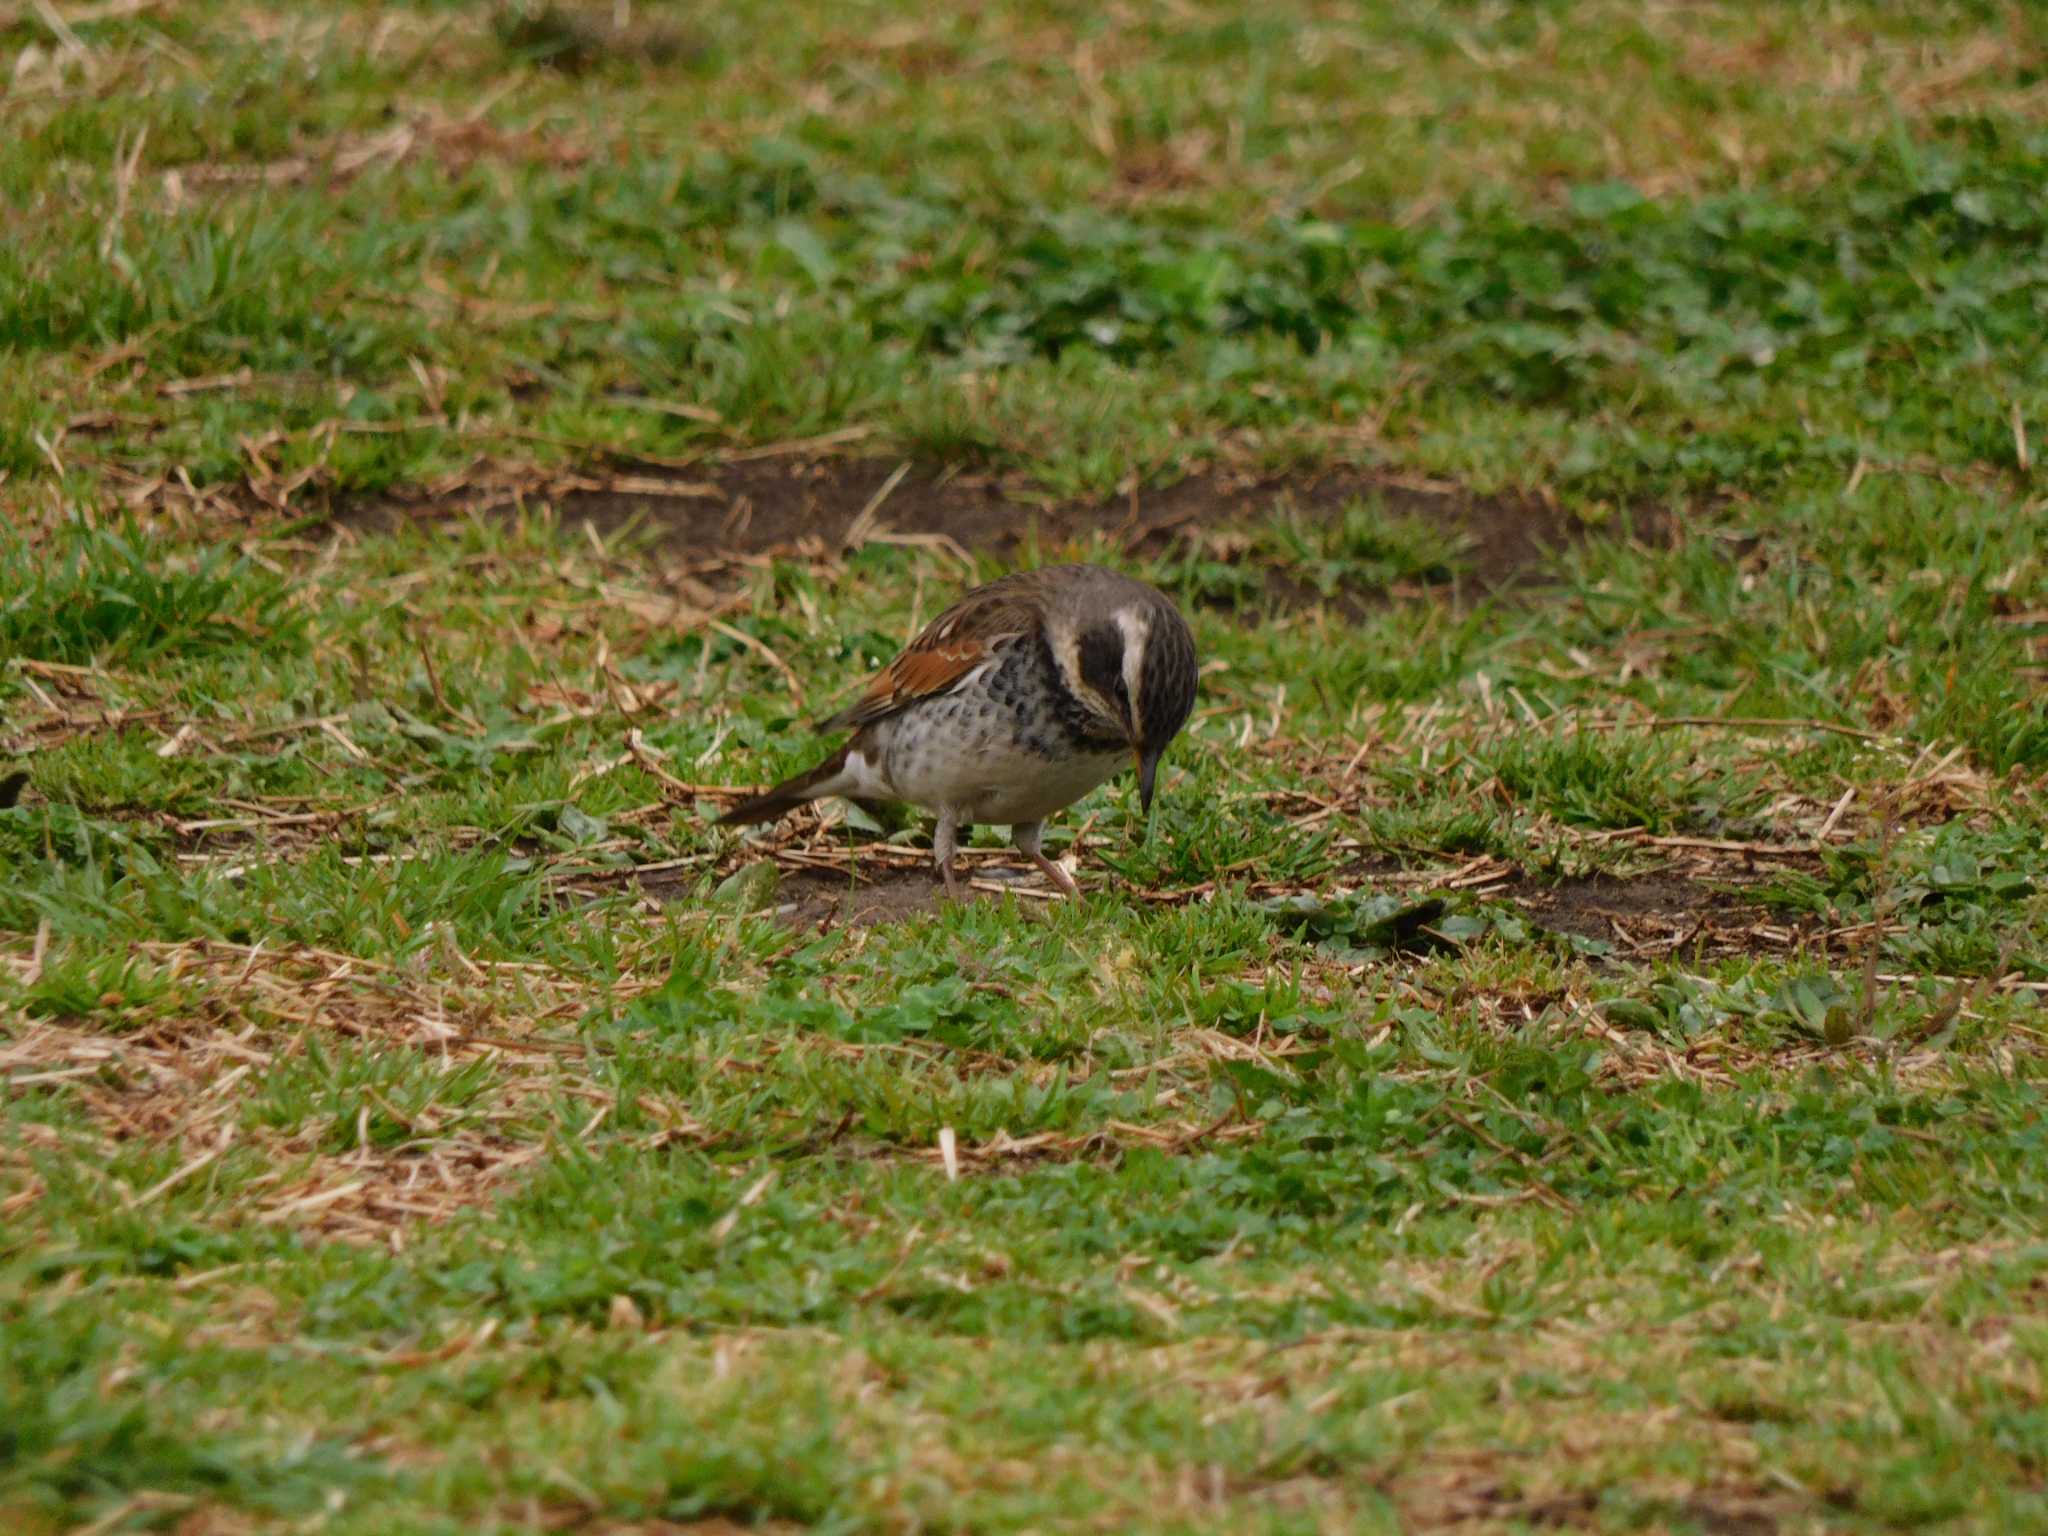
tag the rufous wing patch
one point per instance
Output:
(914, 675)
(955, 643)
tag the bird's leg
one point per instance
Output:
(944, 842)
(1027, 837)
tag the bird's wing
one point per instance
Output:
(960, 641)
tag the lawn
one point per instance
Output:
(1567, 1052)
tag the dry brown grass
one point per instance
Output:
(184, 1082)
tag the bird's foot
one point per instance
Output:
(1057, 874)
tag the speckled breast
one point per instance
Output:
(1008, 747)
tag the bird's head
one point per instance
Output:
(1129, 658)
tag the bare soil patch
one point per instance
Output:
(871, 886)
(1616, 908)
(821, 901)
(1485, 1505)
(738, 508)
(832, 885)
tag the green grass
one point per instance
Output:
(376, 1154)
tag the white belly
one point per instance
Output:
(985, 776)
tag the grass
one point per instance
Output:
(1567, 1055)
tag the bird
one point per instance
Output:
(1012, 704)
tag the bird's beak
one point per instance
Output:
(1148, 771)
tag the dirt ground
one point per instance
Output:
(799, 505)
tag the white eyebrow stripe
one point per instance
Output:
(1136, 625)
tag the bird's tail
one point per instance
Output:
(790, 793)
